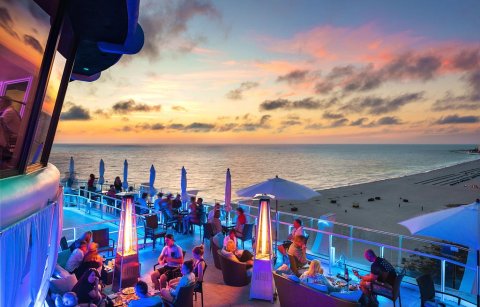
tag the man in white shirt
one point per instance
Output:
(296, 231)
(172, 258)
(76, 258)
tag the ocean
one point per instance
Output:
(316, 166)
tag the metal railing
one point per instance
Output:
(328, 239)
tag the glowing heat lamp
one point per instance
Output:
(262, 286)
(127, 267)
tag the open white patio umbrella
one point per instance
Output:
(101, 178)
(460, 225)
(152, 181)
(228, 192)
(125, 175)
(183, 186)
(282, 190)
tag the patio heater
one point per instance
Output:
(127, 267)
(262, 286)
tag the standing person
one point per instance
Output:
(296, 231)
(9, 126)
(380, 270)
(214, 219)
(144, 299)
(200, 210)
(188, 278)
(241, 221)
(118, 184)
(87, 289)
(171, 257)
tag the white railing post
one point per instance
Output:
(400, 243)
(331, 251)
(382, 251)
(442, 281)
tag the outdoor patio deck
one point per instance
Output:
(216, 293)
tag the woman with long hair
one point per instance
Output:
(87, 288)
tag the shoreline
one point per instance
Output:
(401, 198)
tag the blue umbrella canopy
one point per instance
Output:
(183, 185)
(101, 171)
(152, 180)
(125, 175)
(228, 191)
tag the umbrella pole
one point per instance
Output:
(276, 228)
(478, 277)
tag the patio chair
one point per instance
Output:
(234, 273)
(216, 257)
(184, 298)
(102, 238)
(152, 230)
(207, 231)
(199, 287)
(247, 234)
(392, 292)
(64, 243)
(427, 292)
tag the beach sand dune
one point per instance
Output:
(395, 200)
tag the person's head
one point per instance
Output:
(141, 288)
(144, 195)
(230, 247)
(112, 187)
(92, 176)
(5, 101)
(169, 240)
(200, 201)
(297, 223)
(130, 189)
(231, 234)
(477, 200)
(90, 275)
(192, 199)
(83, 245)
(240, 211)
(160, 195)
(87, 236)
(169, 196)
(315, 268)
(93, 247)
(187, 267)
(217, 206)
(198, 252)
(370, 255)
(177, 197)
(70, 299)
(117, 179)
(299, 241)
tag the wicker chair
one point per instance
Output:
(234, 273)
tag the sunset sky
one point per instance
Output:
(289, 72)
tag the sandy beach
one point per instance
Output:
(400, 198)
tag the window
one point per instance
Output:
(24, 31)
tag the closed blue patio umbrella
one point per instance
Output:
(228, 192)
(183, 185)
(152, 181)
(101, 172)
(125, 175)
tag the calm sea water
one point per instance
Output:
(317, 166)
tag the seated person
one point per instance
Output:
(188, 278)
(314, 275)
(241, 221)
(296, 231)
(157, 203)
(177, 203)
(112, 194)
(86, 236)
(231, 236)
(199, 265)
(76, 258)
(144, 299)
(69, 299)
(231, 252)
(172, 258)
(141, 206)
(92, 259)
(88, 288)
(298, 250)
(381, 270)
